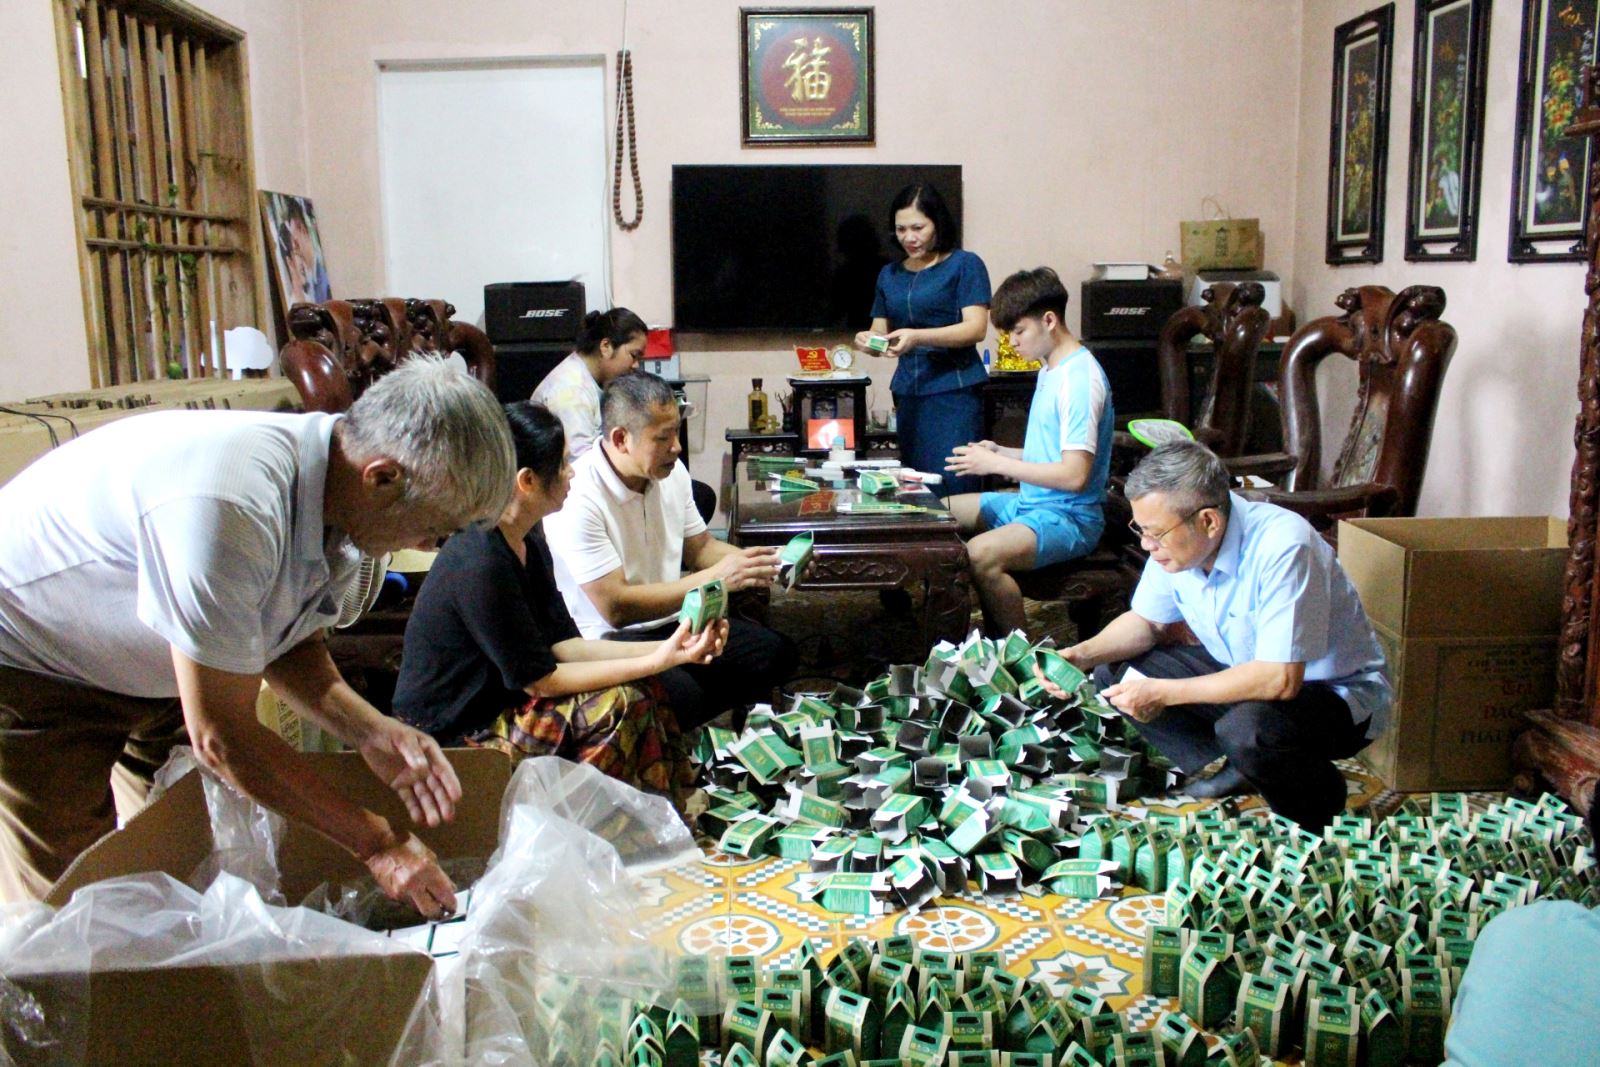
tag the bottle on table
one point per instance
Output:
(758, 407)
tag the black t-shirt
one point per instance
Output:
(480, 632)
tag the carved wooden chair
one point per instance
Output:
(1235, 323)
(340, 347)
(1097, 586)
(434, 329)
(1401, 349)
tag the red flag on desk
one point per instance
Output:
(813, 359)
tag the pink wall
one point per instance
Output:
(38, 246)
(1503, 441)
(1087, 130)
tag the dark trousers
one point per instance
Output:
(1284, 747)
(930, 428)
(754, 660)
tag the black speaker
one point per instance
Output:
(519, 368)
(1135, 309)
(519, 312)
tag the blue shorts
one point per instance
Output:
(1060, 536)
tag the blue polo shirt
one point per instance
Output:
(927, 299)
(1277, 594)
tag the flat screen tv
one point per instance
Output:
(786, 248)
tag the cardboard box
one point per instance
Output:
(26, 437)
(1468, 612)
(152, 1015)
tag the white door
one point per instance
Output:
(493, 172)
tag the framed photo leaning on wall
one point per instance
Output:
(1447, 86)
(1550, 171)
(1358, 149)
(806, 75)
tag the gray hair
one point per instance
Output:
(630, 401)
(1188, 473)
(445, 429)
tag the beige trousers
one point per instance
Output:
(63, 746)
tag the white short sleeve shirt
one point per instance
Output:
(605, 525)
(573, 396)
(200, 531)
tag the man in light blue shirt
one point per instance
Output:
(1287, 675)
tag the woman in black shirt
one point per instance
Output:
(492, 657)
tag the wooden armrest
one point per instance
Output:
(1374, 499)
(1263, 464)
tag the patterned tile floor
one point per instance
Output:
(729, 905)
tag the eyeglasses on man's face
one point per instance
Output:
(1155, 538)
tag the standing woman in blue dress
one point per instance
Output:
(934, 308)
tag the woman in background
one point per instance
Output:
(493, 659)
(610, 344)
(934, 308)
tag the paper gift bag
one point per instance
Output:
(1220, 242)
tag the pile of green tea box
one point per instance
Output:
(895, 1004)
(1349, 946)
(962, 768)
(1343, 948)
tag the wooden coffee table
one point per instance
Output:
(919, 552)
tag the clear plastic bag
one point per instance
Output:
(553, 954)
(555, 949)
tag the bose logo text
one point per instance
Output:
(544, 313)
(1128, 311)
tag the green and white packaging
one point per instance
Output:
(1163, 959)
(1182, 1043)
(704, 605)
(851, 1022)
(1263, 1009)
(1082, 879)
(794, 557)
(1333, 1027)
(1207, 987)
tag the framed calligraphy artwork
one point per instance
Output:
(1447, 86)
(1550, 171)
(806, 76)
(1358, 149)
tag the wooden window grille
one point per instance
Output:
(155, 99)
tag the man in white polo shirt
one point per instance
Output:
(153, 572)
(627, 534)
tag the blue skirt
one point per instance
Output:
(930, 428)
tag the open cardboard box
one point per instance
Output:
(208, 1014)
(1468, 612)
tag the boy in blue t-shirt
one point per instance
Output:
(1062, 466)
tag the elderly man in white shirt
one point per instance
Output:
(629, 544)
(1288, 674)
(153, 572)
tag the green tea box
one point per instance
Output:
(1182, 1043)
(1333, 1026)
(851, 1022)
(1382, 1038)
(1207, 987)
(745, 1024)
(794, 557)
(1263, 1008)
(1163, 959)
(704, 605)
(922, 1047)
